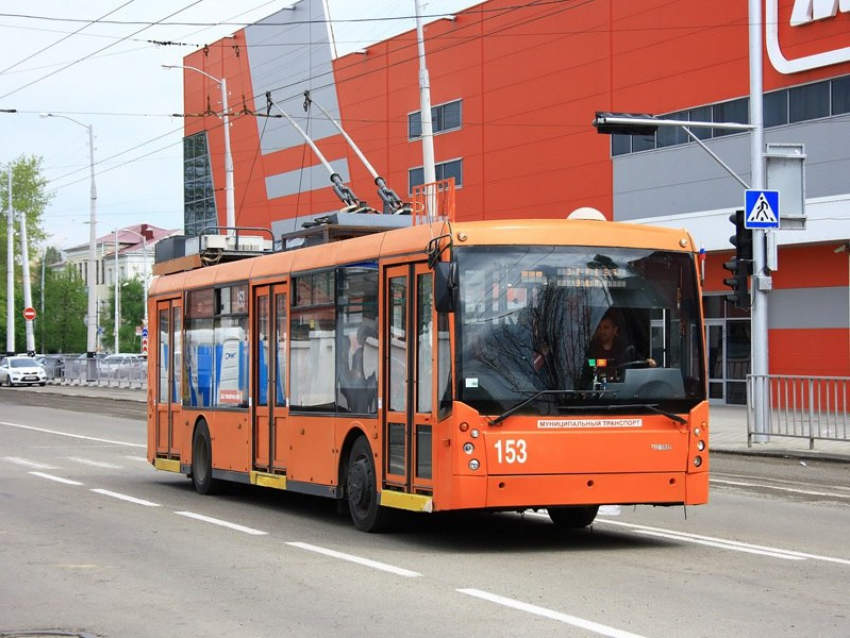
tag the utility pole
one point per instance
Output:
(429, 169)
(759, 313)
(10, 270)
(117, 297)
(25, 266)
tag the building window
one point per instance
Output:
(796, 104)
(672, 135)
(841, 95)
(776, 108)
(444, 117)
(621, 144)
(737, 111)
(700, 114)
(808, 102)
(453, 168)
(199, 210)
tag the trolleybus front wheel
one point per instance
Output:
(573, 517)
(202, 477)
(362, 491)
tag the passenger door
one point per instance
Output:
(408, 355)
(269, 374)
(169, 377)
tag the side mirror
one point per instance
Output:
(445, 286)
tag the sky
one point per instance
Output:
(109, 76)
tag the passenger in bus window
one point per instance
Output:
(360, 389)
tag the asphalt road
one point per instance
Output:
(94, 541)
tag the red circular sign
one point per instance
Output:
(29, 313)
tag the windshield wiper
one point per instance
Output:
(652, 407)
(522, 404)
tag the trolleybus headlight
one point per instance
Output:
(700, 445)
(474, 464)
(697, 461)
(468, 448)
(696, 431)
(475, 434)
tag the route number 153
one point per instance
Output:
(511, 451)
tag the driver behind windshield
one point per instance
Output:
(609, 354)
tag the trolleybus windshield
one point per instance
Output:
(536, 319)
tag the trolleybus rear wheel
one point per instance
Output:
(362, 491)
(202, 477)
(573, 517)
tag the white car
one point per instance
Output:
(21, 370)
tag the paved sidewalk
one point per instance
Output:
(728, 433)
(727, 427)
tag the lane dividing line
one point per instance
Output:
(726, 543)
(72, 436)
(779, 488)
(589, 625)
(58, 479)
(357, 559)
(26, 463)
(217, 521)
(109, 466)
(721, 545)
(124, 497)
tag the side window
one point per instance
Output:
(357, 332)
(313, 343)
(216, 348)
(198, 355)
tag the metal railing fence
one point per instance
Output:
(813, 408)
(126, 374)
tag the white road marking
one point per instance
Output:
(58, 479)
(73, 436)
(721, 545)
(27, 463)
(124, 497)
(726, 543)
(357, 559)
(589, 625)
(216, 521)
(142, 459)
(110, 466)
(779, 488)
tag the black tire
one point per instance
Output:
(362, 491)
(574, 516)
(202, 477)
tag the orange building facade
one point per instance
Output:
(514, 89)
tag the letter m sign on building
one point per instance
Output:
(807, 34)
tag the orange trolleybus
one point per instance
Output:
(442, 366)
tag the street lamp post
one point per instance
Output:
(228, 158)
(91, 322)
(117, 298)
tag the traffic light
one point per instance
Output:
(741, 265)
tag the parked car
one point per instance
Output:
(21, 370)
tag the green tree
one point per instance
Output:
(60, 328)
(29, 200)
(131, 294)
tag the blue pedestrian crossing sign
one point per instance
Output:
(761, 209)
